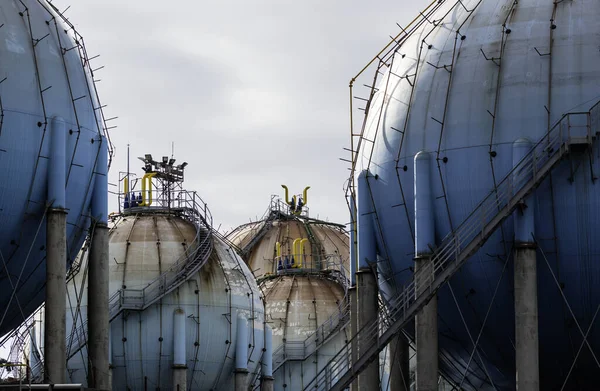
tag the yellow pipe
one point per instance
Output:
(125, 186)
(305, 194)
(143, 203)
(287, 200)
(278, 249)
(149, 176)
(302, 243)
(296, 251)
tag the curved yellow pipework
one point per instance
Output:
(149, 176)
(287, 199)
(305, 195)
(143, 203)
(302, 243)
(296, 251)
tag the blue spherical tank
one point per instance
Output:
(46, 88)
(471, 78)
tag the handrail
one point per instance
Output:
(192, 208)
(461, 244)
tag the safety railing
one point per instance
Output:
(578, 128)
(191, 207)
(301, 350)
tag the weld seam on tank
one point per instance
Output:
(367, 249)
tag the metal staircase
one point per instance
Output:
(190, 207)
(268, 223)
(573, 130)
(301, 350)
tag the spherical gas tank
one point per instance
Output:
(302, 310)
(46, 89)
(472, 81)
(295, 243)
(193, 328)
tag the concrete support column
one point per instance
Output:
(400, 371)
(426, 320)
(426, 325)
(266, 381)
(526, 320)
(526, 298)
(367, 314)
(98, 317)
(55, 352)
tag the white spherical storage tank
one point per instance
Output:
(185, 339)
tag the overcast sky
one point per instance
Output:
(253, 93)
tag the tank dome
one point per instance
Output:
(279, 237)
(302, 267)
(46, 86)
(466, 84)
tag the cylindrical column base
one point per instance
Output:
(98, 318)
(353, 329)
(426, 324)
(526, 319)
(266, 383)
(56, 295)
(241, 378)
(179, 378)
(399, 356)
(368, 379)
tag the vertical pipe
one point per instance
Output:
(241, 354)
(352, 290)
(266, 383)
(526, 299)
(98, 323)
(366, 281)
(179, 356)
(425, 320)
(56, 257)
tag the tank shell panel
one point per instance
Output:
(38, 81)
